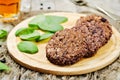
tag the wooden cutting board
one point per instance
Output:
(38, 62)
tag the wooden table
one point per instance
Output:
(111, 72)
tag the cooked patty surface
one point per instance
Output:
(96, 31)
(66, 47)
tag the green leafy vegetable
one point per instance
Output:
(56, 19)
(43, 22)
(48, 22)
(27, 47)
(45, 36)
(32, 36)
(34, 22)
(50, 27)
(23, 31)
(4, 67)
(3, 34)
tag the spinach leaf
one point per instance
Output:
(34, 22)
(45, 36)
(48, 22)
(27, 47)
(3, 34)
(32, 36)
(50, 27)
(4, 67)
(56, 19)
(23, 31)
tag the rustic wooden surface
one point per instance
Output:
(111, 72)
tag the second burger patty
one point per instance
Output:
(96, 31)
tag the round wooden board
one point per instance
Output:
(38, 62)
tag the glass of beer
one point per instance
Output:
(9, 10)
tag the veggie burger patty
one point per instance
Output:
(66, 47)
(96, 31)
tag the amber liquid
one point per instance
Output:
(9, 8)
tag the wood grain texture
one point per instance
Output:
(38, 62)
